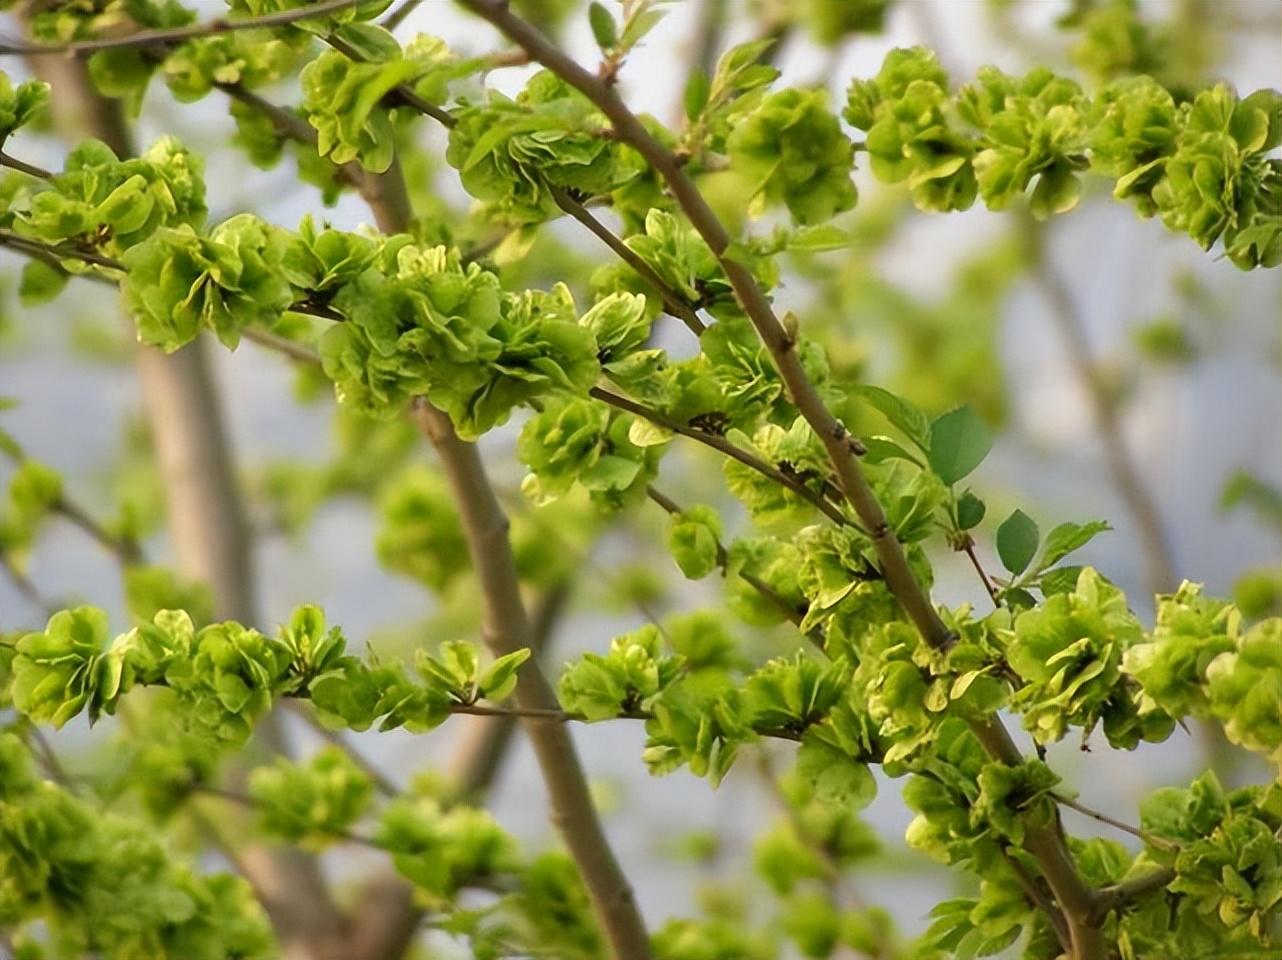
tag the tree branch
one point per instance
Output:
(1046, 844)
(722, 445)
(25, 585)
(174, 35)
(207, 522)
(1119, 894)
(797, 616)
(673, 303)
(507, 628)
(1146, 836)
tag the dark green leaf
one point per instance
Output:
(1017, 542)
(959, 441)
(970, 511)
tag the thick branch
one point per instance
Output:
(507, 628)
(1046, 844)
(481, 745)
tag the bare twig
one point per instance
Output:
(1149, 838)
(969, 548)
(25, 585)
(13, 163)
(382, 783)
(125, 549)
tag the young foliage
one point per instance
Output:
(826, 539)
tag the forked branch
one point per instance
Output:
(1046, 844)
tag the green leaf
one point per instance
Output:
(40, 283)
(970, 511)
(604, 30)
(902, 414)
(836, 778)
(693, 537)
(695, 96)
(1017, 540)
(1067, 537)
(879, 449)
(823, 236)
(959, 441)
(499, 678)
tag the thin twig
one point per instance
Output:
(397, 16)
(382, 783)
(993, 595)
(1149, 838)
(173, 35)
(722, 445)
(49, 761)
(1111, 897)
(673, 303)
(249, 802)
(58, 250)
(839, 887)
(796, 615)
(39, 250)
(13, 163)
(25, 585)
(296, 351)
(125, 549)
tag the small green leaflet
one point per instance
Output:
(970, 511)
(1017, 542)
(901, 414)
(959, 441)
(1068, 537)
(604, 30)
